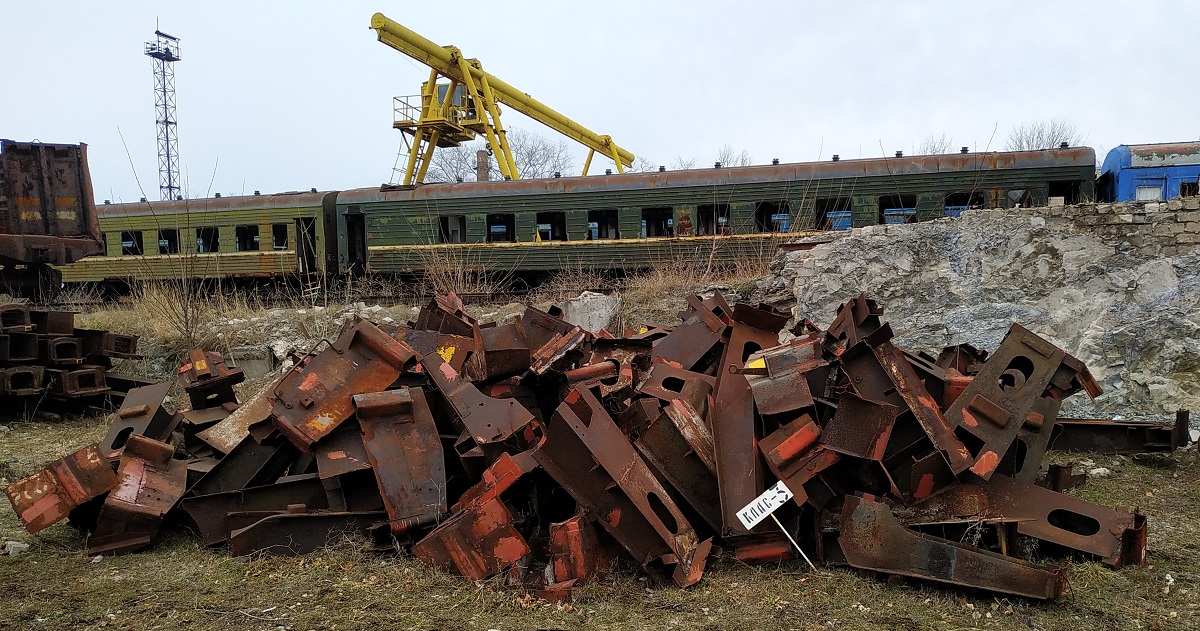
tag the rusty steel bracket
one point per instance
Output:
(732, 413)
(19, 347)
(703, 327)
(209, 512)
(65, 351)
(668, 382)
(477, 542)
(311, 400)
(779, 377)
(446, 314)
(1120, 437)
(586, 453)
(25, 380)
(141, 413)
(57, 323)
(795, 456)
(504, 353)
(151, 482)
(1115, 535)
(541, 327)
(108, 344)
(560, 352)
(84, 381)
(506, 471)
(230, 432)
(48, 495)
(248, 464)
(856, 320)
(1062, 478)
(297, 531)
(453, 349)
(872, 539)
(679, 448)
(405, 451)
(487, 420)
(207, 380)
(14, 318)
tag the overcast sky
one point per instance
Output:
(287, 96)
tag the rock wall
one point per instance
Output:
(1116, 285)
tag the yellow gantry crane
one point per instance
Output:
(449, 114)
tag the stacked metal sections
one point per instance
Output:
(43, 354)
(544, 454)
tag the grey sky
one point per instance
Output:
(288, 96)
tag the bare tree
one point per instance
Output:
(642, 164)
(730, 157)
(933, 145)
(1034, 135)
(535, 156)
(682, 164)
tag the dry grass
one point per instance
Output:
(451, 269)
(178, 584)
(657, 294)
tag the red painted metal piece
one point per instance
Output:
(794, 455)
(48, 495)
(477, 542)
(312, 399)
(576, 553)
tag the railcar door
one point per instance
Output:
(306, 241)
(356, 243)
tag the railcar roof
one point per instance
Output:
(305, 199)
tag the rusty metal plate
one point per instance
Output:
(1120, 437)
(477, 542)
(151, 482)
(291, 534)
(505, 353)
(341, 451)
(586, 453)
(209, 512)
(48, 495)
(860, 427)
(1117, 536)
(446, 314)
(207, 380)
(405, 452)
(855, 320)
(872, 539)
(230, 432)
(795, 456)
(702, 328)
(577, 553)
(488, 420)
(689, 468)
(313, 398)
(248, 464)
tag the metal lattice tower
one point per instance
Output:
(165, 52)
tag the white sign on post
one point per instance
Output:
(764, 505)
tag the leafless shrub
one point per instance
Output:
(934, 145)
(1035, 135)
(730, 157)
(453, 269)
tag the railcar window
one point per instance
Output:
(552, 226)
(131, 243)
(658, 222)
(1189, 189)
(168, 241)
(772, 217)
(453, 229)
(279, 239)
(832, 213)
(501, 228)
(1068, 190)
(1148, 193)
(602, 224)
(955, 203)
(897, 208)
(713, 219)
(207, 240)
(246, 238)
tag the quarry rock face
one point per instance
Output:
(1116, 285)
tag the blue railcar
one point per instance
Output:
(1150, 172)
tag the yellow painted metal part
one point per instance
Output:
(447, 123)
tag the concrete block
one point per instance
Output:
(1123, 218)
(1192, 203)
(1187, 237)
(592, 311)
(1175, 204)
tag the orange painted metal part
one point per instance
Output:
(478, 542)
(48, 495)
(576, 552)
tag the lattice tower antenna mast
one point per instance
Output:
(164, 50)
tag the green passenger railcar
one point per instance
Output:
(219, 237)
(639, 219)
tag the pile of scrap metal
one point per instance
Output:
(42, 354)
(543, 454)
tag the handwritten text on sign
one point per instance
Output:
(764, 505)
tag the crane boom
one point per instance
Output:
(437, 128)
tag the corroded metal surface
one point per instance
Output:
(48, 495)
